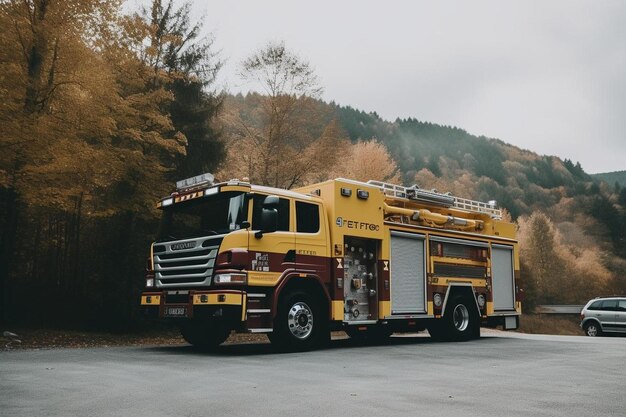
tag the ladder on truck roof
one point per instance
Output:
(414, 193)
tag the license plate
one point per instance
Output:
(175, 311)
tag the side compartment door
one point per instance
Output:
(502, 277)
(408, 273)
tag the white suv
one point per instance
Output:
(604, 315)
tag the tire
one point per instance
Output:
(459, 323)
(204, 335)
(300, 324)
(592, 329)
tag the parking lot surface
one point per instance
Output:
(501, 374)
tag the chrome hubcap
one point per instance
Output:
(460, 317)
(592, 330)
(300, 320)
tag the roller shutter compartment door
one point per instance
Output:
(503, 281)
(408, 272)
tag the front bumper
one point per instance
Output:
(200, 304)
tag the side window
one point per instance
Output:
(595, 305)
(621, 305)
(283, 212)
(610, 305)
(307, 217)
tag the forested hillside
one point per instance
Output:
(612, 178)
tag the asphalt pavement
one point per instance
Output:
(501, 374)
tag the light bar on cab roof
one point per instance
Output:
(204, 179)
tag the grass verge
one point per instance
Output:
(550, 324)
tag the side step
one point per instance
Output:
(259, 313)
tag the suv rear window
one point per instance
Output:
(621, 305)
(610, 305)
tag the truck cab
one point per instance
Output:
(224, 253)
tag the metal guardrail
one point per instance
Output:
(558, 309)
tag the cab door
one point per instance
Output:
(273, 252)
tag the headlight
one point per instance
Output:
(149, 282)
(481, 300)
(230, 279)
(437, 299)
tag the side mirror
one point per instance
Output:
(269, 216)
(271, 202)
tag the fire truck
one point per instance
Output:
(368, 258)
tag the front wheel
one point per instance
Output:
(592, 329)
(300, 323)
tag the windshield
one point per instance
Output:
(205, 216)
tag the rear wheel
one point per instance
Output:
(204, 335)
(300, 323)
(460, 322)
(592, 329)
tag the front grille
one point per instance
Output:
(176, 255)
(187, 272)
(185, 266)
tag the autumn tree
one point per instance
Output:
(55, 91)
(277, 142)
(555, 272)
(87, 141)
(367, 160)
(84, 101)
(545, 269)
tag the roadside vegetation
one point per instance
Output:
(550, 324)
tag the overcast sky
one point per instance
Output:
(548, 76)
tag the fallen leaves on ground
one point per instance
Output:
(51, 339)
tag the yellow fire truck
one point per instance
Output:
(367, 258)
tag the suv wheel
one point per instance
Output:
(593, 329)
